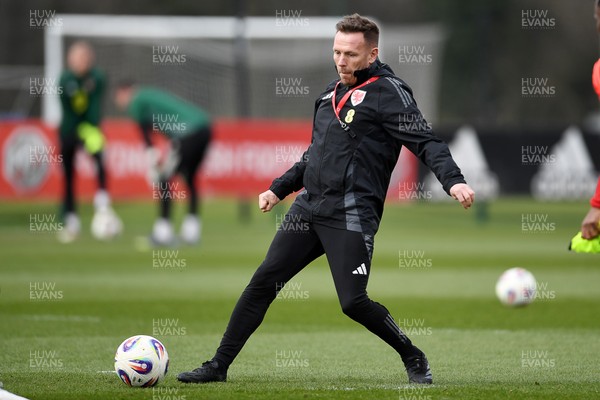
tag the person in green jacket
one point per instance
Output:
(83, 87)
(188, 129)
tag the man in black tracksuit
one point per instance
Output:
(361, 122)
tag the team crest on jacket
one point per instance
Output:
(357, 97)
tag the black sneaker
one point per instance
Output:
(417, 368)
(210, 371)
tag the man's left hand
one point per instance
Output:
(589, 225)
(463, 193)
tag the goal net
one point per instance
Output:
(256, 67)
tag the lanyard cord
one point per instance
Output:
(338, 108)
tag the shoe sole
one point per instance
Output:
(185, 379)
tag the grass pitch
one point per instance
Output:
(64, 309)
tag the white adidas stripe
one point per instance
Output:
(361, 270)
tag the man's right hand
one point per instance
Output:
(267, 200)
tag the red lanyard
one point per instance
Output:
(344, 99)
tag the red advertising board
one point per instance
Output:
(243, 158)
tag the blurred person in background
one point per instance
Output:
(83, 87)
(188, 129)
(590, 225)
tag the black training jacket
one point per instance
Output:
(346, 173)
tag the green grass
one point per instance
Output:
(110, 291)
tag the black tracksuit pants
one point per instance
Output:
(191, 151)
(68, 148)
(296, 244)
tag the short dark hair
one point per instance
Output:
(356, 23)
(125, 83)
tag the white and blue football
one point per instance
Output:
(141, 361)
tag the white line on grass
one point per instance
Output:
(62, 318)
(4, 395)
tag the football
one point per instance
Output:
(106, 224)
(516, 287)
(141, 361)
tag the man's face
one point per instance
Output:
(123, 98)
(597, 17)
(351, 53)
(80, 59)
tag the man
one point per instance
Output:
(590, 225)
(357, 137)
(187, 128)
(83, 87)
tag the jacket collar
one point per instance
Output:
(377, 68)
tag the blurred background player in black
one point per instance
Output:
(83, 86)
(188, 129)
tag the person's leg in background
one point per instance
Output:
(192, 151)
(72, 224)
